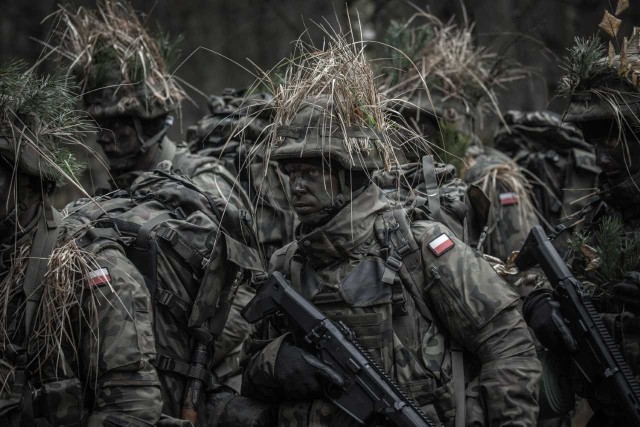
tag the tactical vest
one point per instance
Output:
(434, 189)
(172, 231)
(382, 301)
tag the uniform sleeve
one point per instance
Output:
(120, 348)
(236, 329)
(479, 310)
(261, 348)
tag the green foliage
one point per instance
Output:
(69, 164)
(451, 144)
(34, 102)
(170, 47)
(410, 41)
(42, 110)
(617, 251)
(585, 65)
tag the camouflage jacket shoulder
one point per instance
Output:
(105, 356)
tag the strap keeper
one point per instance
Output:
(168, 234)
(393, 263)
(165, 363)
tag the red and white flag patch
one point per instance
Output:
(508, 199)
(98, 277)
(441, 244)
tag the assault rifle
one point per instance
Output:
(366, 390)
(597, 356)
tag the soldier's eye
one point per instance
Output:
(314, 172)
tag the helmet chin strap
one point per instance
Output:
(155, 139)
(343, 198)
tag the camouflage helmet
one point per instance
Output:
(315, 132)
(537, 128)
(602, 86)
(38, 124)
(121, 68)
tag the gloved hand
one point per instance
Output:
(229, 410)
(542, 313)
(301, 374)
(628, 291)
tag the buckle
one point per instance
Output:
(168, 234)
(165, 363)
(393, 263)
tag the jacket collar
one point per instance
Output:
(345, 234)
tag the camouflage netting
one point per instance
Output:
(38, 124)
(328, 99)
(602, 82)
(120, 66)
(434, 65)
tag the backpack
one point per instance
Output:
(194, 251)
(433, 188)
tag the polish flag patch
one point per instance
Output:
(508, 199)
(441, 244)
(98, 277)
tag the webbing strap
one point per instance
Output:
(42, 246)
(405, 252)
(178, 308)
(171, 364)
(188, 253)
(459, 386)
(145, 229)
(431, 184)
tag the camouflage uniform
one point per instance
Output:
(108, 378)
(198, 260)
(561, 164)
(208, 173)
(352, 268)
(510, 217)
(237, 122)
(604, 107)
(100, 371)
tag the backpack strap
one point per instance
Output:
(431, 184)
(44, 240)
(405, 259)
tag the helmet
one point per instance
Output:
(120, 66)
(112, 97)
(601, 87)
(535, 129)
(38, 123)
(315, 132)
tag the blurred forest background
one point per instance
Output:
(537, 32)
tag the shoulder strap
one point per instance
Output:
(431, 184)
(44, 240)
(42, 246)
(404, 257)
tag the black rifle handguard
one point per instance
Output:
(367, 392)
(596, 350)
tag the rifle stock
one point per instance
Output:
(597, 356)
(367, 391)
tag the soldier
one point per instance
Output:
(77, 342)
(561, 166)
(132, 100)
(409, 289)
(603, 103)
(447, 106)
(237, 124)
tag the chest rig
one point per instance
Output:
(381, 300)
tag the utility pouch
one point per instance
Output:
(62, 400)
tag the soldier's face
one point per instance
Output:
(313, 188)
(617, 153)
(119, 140)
